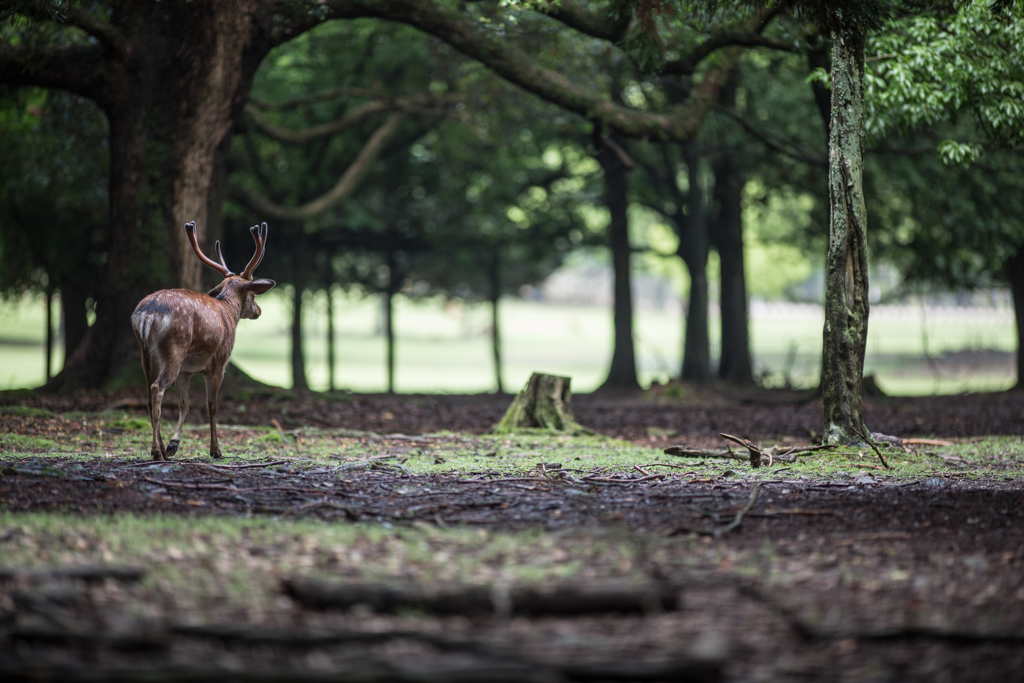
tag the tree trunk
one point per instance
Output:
(299, 261)
(622, 373)
(693, 249)
(75, 318)
(1015, 274)
(494, 294)
(169, 99)
(544, 403)
(394, 282)
(727, 234)
(49, 333)
(330, 337)
(846, 269)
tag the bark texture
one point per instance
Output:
(846, 268)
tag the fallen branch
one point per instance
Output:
(755, 452)
(687, 452)
(928, 442)
(553, 600)
(83, 572)
(873, 447)
(272, 463)
(612, 480)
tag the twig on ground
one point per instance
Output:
(737, 520)
(612, 480)
(873, 447)
(254, 465)
(755, 452)
(687, 452)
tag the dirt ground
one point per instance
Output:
(872, 578)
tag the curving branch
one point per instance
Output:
(316, 97)
(786, 148)
(685, 66)
(348, 182)
(421, 105)
(517, 66)
(314, 132)
(77, 68)
(108, 34)
(611, 26)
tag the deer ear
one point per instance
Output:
(260, 286)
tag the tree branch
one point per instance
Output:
(605, 27)
(317, 97)
(106, 33)
(77, 68)
(348, 182)
(685, 66)
(517, 66)
(313, 132)
(796, 153)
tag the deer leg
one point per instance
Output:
(213, 380)
(156, 449)
(182, 383)
(156, 400)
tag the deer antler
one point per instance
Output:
(259, 235)
(222, 268)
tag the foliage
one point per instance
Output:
(929, 68)
(53, 180)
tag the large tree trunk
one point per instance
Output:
(1015, 274)
(622, 373)
(727, 233)
(169, 98)
(846, 268)
(693, 248)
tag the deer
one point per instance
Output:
(182, 333)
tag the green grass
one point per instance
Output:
(447, 348)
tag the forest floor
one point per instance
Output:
(393, 538)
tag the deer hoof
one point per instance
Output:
(172, 447)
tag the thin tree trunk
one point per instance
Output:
(694, 251)
(330, 337)
(49, 333)
(389, 317)
(1015, 274)
(734, 366)
(299, 382)
(622, 373)
(846, 270)
(494, 294)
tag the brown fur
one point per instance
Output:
(182, 333)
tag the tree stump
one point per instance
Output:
(544, 403)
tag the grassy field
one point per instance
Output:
(446, 348)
